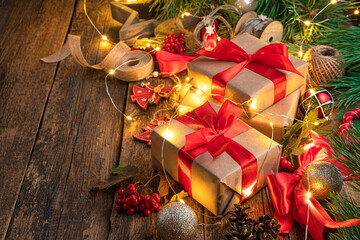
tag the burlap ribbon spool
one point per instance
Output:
(259, 26)
(135, 65)
(324, 64)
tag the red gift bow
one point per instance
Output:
(214, 133)
(290, 200)
(263, 62)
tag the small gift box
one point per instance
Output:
(248, 71)
(281, 114)
(218, 159)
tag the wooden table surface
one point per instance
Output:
(60, 133)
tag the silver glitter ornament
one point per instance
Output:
(324, 177)
(176, 221)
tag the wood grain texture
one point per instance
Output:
(59, 132)
(24, 85)
(78, 142)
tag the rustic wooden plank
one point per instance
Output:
(138, 30)
(24, 85)
(123, 14)
(78, 142)
(133, 152)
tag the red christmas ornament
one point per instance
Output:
(209, 36)
(146, 94)
(174, 44)
(319, 99)
(146, 135)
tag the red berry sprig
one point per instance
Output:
(131, 201)
(174, 44)
(285, 164)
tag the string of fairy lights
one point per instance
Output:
(180, 109)
(309, 22)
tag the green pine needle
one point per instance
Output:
(293, 13)
(345, 90)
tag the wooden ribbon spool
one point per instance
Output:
(261, 27)
(324, 64)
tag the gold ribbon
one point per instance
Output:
(136, 65)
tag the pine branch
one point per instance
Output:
(345, 90)
(344, 207)
(292, 13)
(346, 150)
(346, 40)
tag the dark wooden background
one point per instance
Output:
(60, 134)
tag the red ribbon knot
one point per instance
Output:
(265, 62)
(214, 133)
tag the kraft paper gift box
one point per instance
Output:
(249, 88)
(281, 114)
(216, 183)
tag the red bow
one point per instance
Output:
(263, 62)
(214, 133)
(290, 200)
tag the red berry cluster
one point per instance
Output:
(131, 201)
(285, 164)
(174, 43)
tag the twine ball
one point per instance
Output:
(176, 221)
(324, 64)
(323, 178)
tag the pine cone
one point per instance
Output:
(266, 227)
(241, 226)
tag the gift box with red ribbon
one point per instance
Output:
(248, 71)
(218, 159)
(281, 114)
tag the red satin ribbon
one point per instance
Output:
(214, 133)
(173, 63)
(290, 200)
(263, 62)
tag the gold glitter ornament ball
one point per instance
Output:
(176, 221)
(324, 177)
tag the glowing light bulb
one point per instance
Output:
(307, 22)
(157, 49)
(312, 92)
(333, 1)
(218, 38)
(104, 38)
(148, 45)
(187, 79)
(253, 105)
(316, 123)
(112, 71)
(168, 135)
(271, 124)
(187, 14)
(301, 53)
(308, 195)
(356, 12)
(198, 91)
(129, 118)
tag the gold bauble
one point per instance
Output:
(176, 221)
(323, 178)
